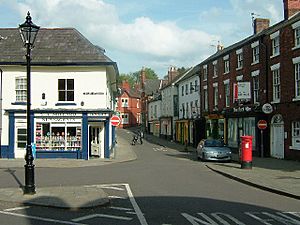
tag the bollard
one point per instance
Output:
(246, 152)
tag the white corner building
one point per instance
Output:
(72, 90)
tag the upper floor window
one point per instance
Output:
(205, 98)
(187, 109)
(227, 93)
(297, 37)
(255, 52)
(226, 64)
(196, 107)
(155, 111)
(240, 58)
(275, 44)
(65, 89)
(255, 89)
(215, 68)
(205, 72)
(216, 95)
(186, 89)
(196, 86)
(183, 110)
(192, 108)
(191, 88)
(124, 102)
(21, 89)
(276, 82)
(296, 27)
(297, 80)
(182, 90)
(296, 62)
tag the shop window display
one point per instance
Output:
(50, 136)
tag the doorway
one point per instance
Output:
(96, 148)
(277, 137)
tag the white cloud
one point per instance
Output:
(145, 42)
(100, 22)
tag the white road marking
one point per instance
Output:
(41, 218)
(121, 208)
(116, 197)
(101, 215)
(135, 206)
(132, 213)
(113, 188)
(17, 208)
(223, 218)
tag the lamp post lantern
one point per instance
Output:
(28, 31)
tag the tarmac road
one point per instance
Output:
(158, 185)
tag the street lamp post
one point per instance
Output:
(28, 32)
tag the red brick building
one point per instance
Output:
(129, 106)
(257, 78)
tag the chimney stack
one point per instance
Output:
(143, 78)
(172, 73)
(260, 24)
(291, 7)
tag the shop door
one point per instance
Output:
(20, 141)
(277, 137)
(95, 141)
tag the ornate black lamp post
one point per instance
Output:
(28, 32)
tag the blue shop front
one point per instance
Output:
(61, 134)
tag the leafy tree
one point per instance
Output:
(134, 77)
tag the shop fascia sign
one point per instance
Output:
(59, 117)
(242, 109)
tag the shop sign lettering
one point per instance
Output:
(242, 109)
(93, 93)
(97, 114)
(58, 114)
(58, 119)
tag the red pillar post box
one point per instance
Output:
(246, 152)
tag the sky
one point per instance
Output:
(149, 33)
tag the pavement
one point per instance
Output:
(273, 175)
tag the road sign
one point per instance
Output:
(262, 124)
(115, 120)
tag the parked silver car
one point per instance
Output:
(213, 150)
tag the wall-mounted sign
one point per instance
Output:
(98, 114)
(58, 114)
(93, 93)
(242, 91)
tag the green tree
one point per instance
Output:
(134, 77)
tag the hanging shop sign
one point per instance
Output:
(267, 108)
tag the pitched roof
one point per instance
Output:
(152, 86)
(131, 93)
(53, 46)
